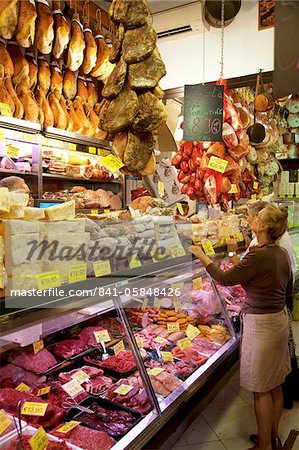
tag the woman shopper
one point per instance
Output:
(266, 276)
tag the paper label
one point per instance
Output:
(233, 189)
(38, 346)
(176, 251)
(255, 185)
(123, 389)
(139, 342)
(239, 237)
(72, 146)
(217, 164)
(72, 388)
(208, 248)
(192, 332)
(167, 356)
(80, 376)
(155, 371)
(107, 211)
(4, 422)
(75, 330)
(77, 272)
(180, 208)
(184, 343)
(177, 305)
(92, 150)
(160, 340)
(5, 110)
(12, 152)
(112, 163)
(144, 304)
(134, 261)
(226, 239)
(120, 347)
(161, 188)
(178, 286)
(48, 280)
(22, 387)
(34, 409)
(197, 284)
(67, 427)
(2, 134)
(173, 327)
(94, 211)
(253, 197)
(102, 152)
(102, 335)
(101, 268)
(157, 303)
(39, 440)
(43, 391)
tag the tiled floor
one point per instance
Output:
(228, 421)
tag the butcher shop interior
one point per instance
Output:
(148, 150)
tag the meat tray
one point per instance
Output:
(73, 413)
(90, 359)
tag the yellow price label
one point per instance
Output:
(101, 268)
(107, 211)
(12, 152)
(5, 110)
(102, 152)
(67, 427)
(34, 409)
(94, 211)
(180, 208)
(72, 146)
(22, 387)
(176, 251)
(77, 272)
(120, 347)
(217, 164)
(208, 248)
(155, 371)
(177, 305)
(192, 332)
(123, 389)
(173, 327)
(48, 280)
(167, 356)
(144, 304)
(158, 255)
(72, 388)
(38, 346)
(92, 150)
(255, 185)
(184, 343)
(139, 342)
(112, 163)
(39, 440)
(134, 261)
(161, 188)
(226, 239)
(239, 237)
(233, 189)
(102, 335)
(197, 284)
(160, 340)
(176, 286)
(2, 134)
(43, 391)
(80, 376)
(253, 197)
(157, 303)
(5, 421)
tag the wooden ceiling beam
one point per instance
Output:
(93, 8)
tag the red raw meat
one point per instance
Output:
(86, 438)
(12, 376)
(54, 415)
(39, 363)
(123, 362)
(68, 348)
(87, 335)
(52, 445)
(135, 399)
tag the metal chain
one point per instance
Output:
(222, 40)
(203, 54)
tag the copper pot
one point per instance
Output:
(256, 133)
(212, 10)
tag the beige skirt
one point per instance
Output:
(265, 358)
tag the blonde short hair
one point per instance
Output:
(276, 219)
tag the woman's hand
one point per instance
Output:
(232, 245)
(199, 253)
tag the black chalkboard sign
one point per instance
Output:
(203, 112)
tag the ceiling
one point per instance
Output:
(154, 5)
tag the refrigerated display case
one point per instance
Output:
(174, 298)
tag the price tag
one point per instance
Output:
(167, 356)
(144, 304)
(233, 189)
(178, 286)
(192, 332)
(72, 388)
(77, 272)
(102, 152)
(176, 251)
(208, 248)
(226, 239)
(243, 222)
(253, 197)
(177, 305)
(255, 185)
(92, 150)
(75, 330)
(217, 164)
(72, 147)
(43, 391)
(157, 303)
(102, 335)
(155, 371)
(4, 422)
(160, 340)
(80, 376)
(94, 211)
(48, 280)
(197, 284)
(101, 268)
(12, 152)
(38, 346)
(67, 427)
(22, 387)
(120, 347)
(184, 343)
(139, 342)
(107, 211)
(134, 261)
(5, 110)
(161, 188)
(112, 163)
(158, 255)
(239, 237)
(2, 134)
(39, 440)
(180, 208)
(173, 327)
(123, 389)
(34, 409)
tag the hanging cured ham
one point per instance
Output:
(69, 84)
(32, 69)
(8, 18)
(44, 74)
(44, 36)
(31, 108)
(76, 46)
(102, 55)
(26, 23)
(62, 30)
(21, 66)
(44, 104)
(60, 119)
(90, 55)
(4, 95)
(56, 79)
